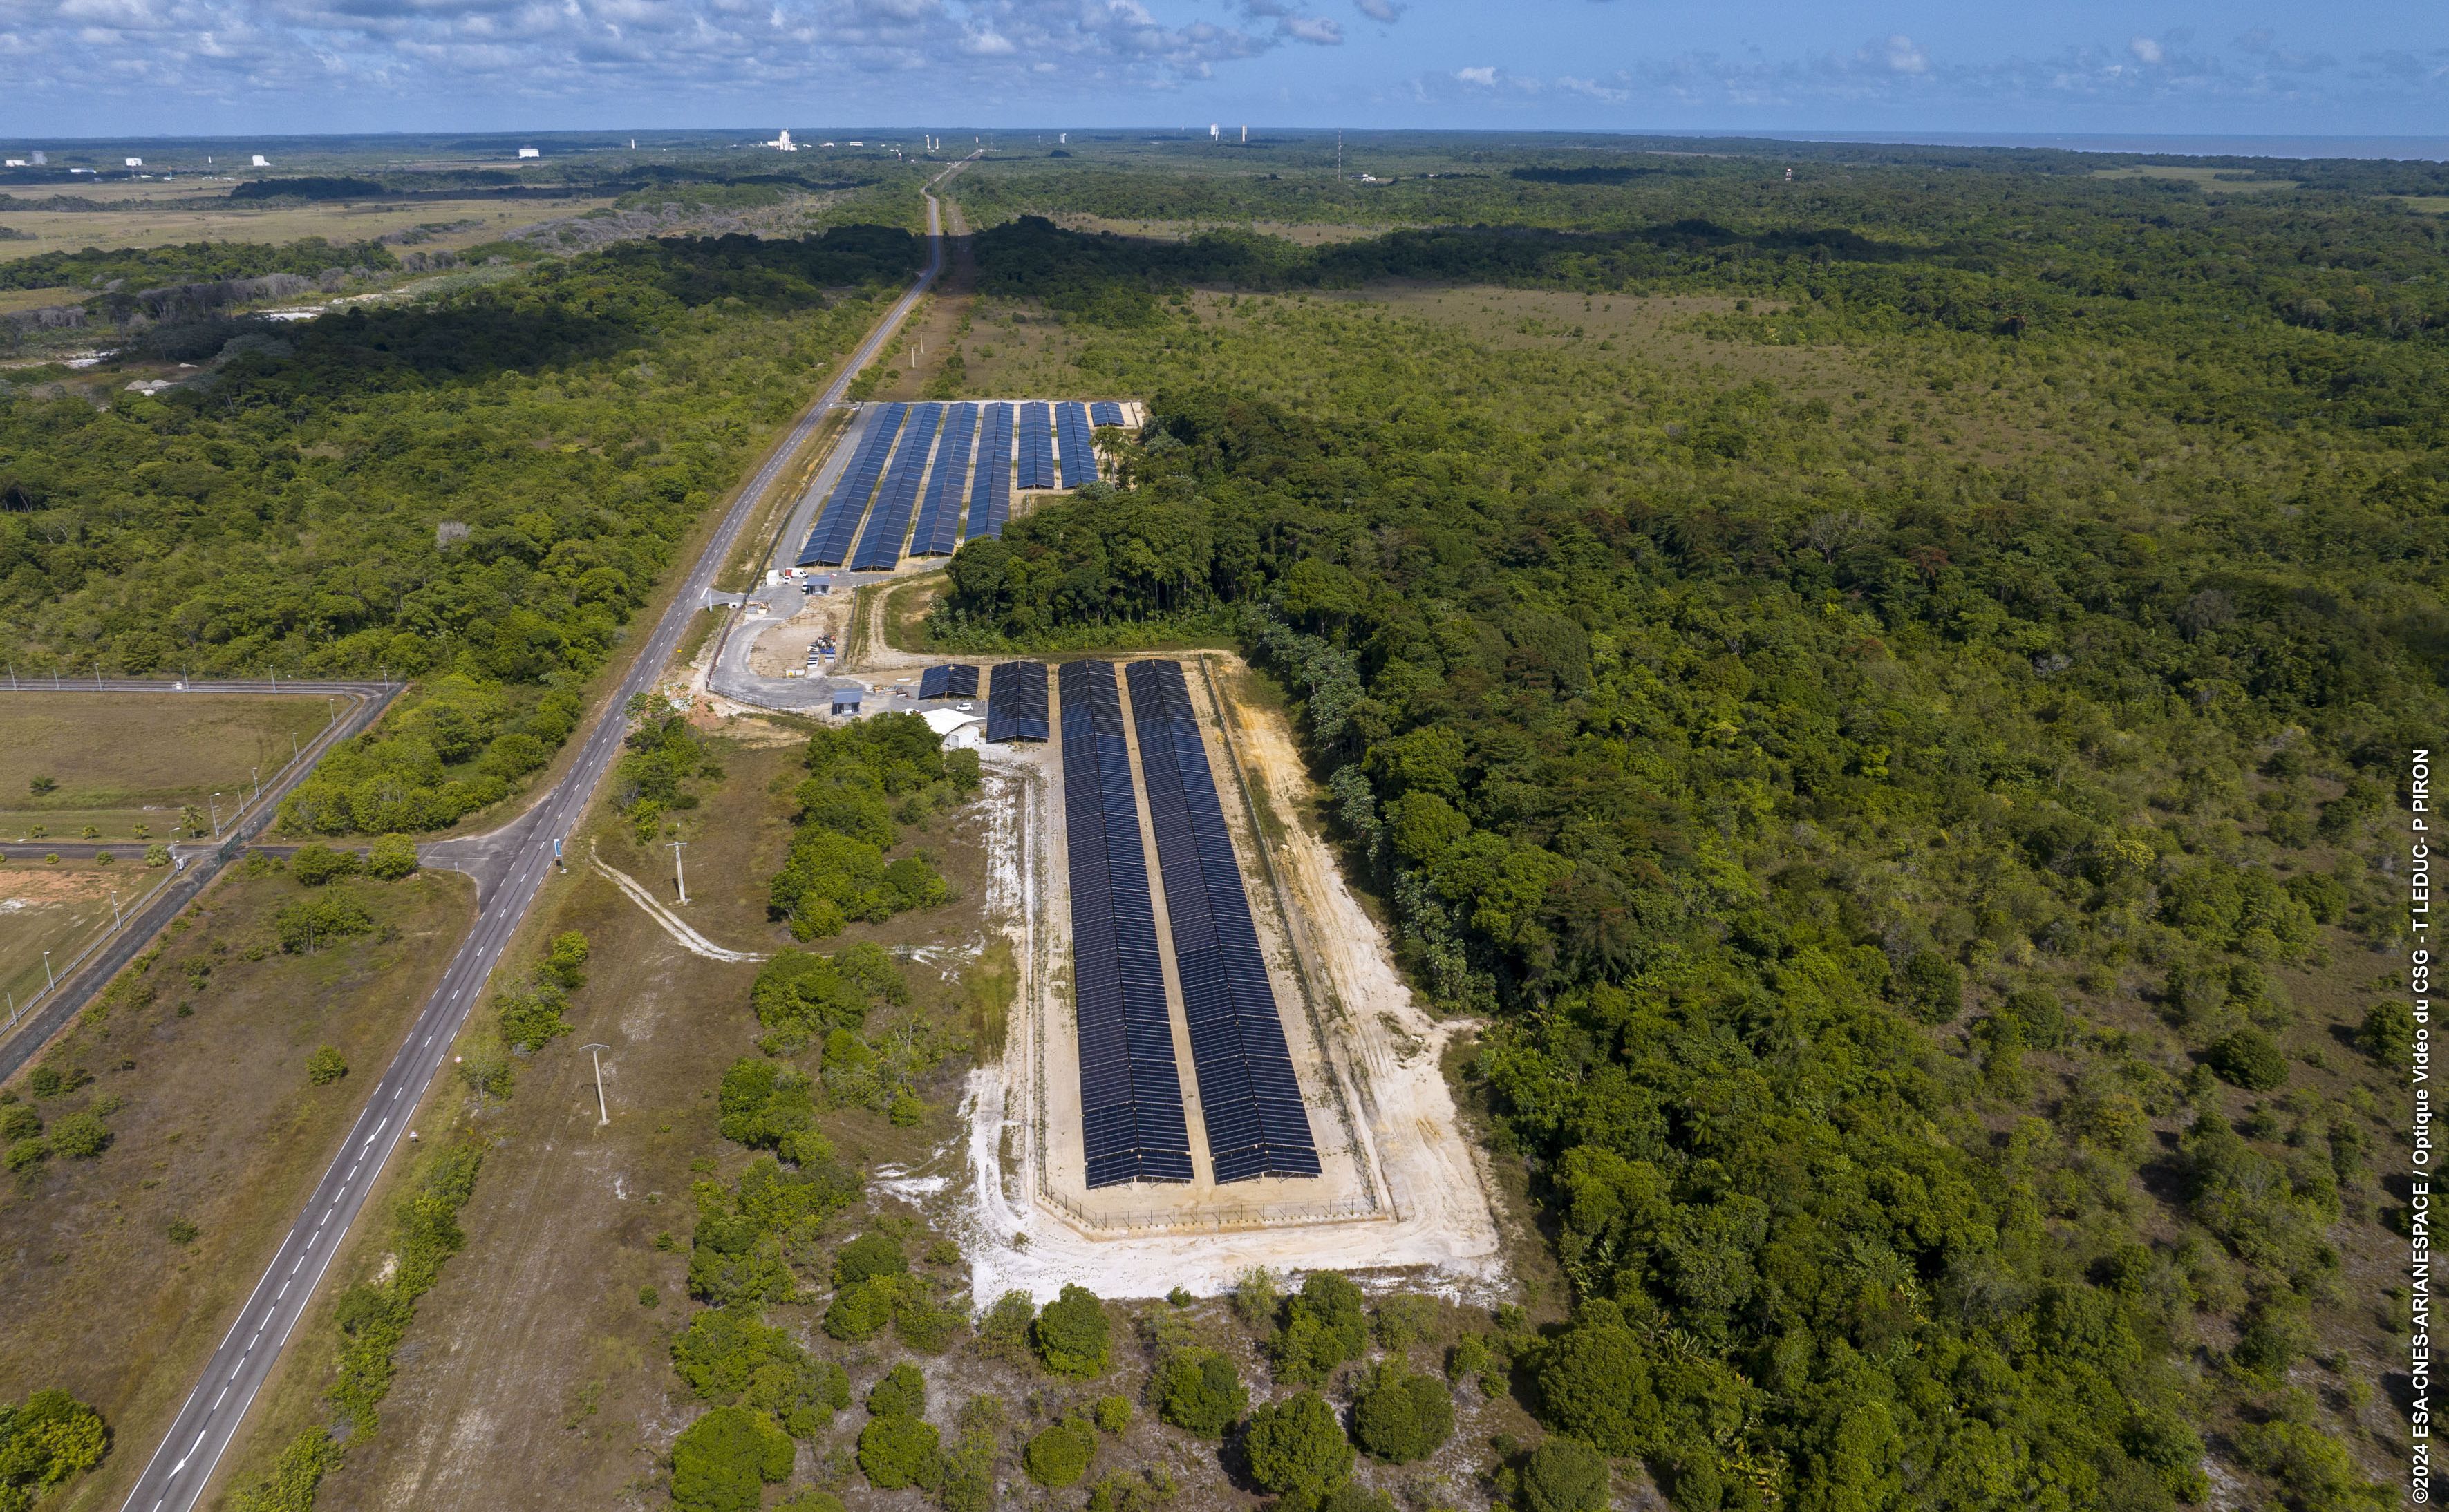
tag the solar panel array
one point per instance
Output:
(940, 516)
(1036, 448)
(1079, 452)
(1131, 1095)
(1016, 701)
(991, 491)
(879, 545)
(1105, 411)
(1247, 1093)
(953, 680)
(829, 543)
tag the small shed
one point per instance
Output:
(955, 730)
(846, 701)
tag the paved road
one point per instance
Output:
(509, 866)
(199, 863)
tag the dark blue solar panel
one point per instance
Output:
(1105, 411)
(939, 517)
(829, 543)
(1079, 453)
(1036, 448)
(1248, 1095)
(1016, 701)
(879, 545)
(991, 494)
(953, 680)
(1131, 1095)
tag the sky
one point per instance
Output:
(126, 67)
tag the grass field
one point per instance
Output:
(120, 761)
(2222, 181)
(219, 1127)
(450, 223)
(56, 909)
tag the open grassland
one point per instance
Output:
(123, 1269)
(117, 761)
(448, 224)
(2211, 181)
(55, 907)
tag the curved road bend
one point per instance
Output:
(509, 866)
(200, 862)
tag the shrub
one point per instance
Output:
(1562, 1475)
(2249, 1058)
(813, 1500)
(309, 924)
(1060, 1456)
(1071, 1335)
(650, 1297)
(1931, 986)
(296, 1475)
(530, 1019)
(49, 1438)
(2388, 1032)
(2038, 1013)
(1594, 1384)
(565, 963)
(1199, 1389)
(81, 1134)
(45, 1082)
(1113, 1414)
(157, 856)
(1399, 1416)
(861, 1311)
(1003, 1333)
(1297, 1446)
(1124, 1491)
(898, 1451)
(26, 1152)
(19, 1122)
(325, 1067)
(724, 1460)
(42, 787)
(394, 857)
(180, 1231)
(315, 864)
(901, 1393)
(1324, 1325)
(874, 1253)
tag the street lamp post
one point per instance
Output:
(47, 973)
(217, 816)
(678, 877)
(603, 1114)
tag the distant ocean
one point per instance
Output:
(2425, 149)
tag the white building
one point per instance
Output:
(530, 152)
(783, 141)
(261, 161)
(13, 162)
(136, 163)
(955, 730)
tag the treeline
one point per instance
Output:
(98, 269)
(478, 492)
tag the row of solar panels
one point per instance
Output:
(1132, 1119)
(1247, 1093)
(988, 430)
(1134, 1128)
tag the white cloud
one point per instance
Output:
(1315, 30)
(1899, 54)
(1378, 10)
(2145, 49)
(1484, 77)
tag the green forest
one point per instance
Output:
(1892, 797)
(476, 491)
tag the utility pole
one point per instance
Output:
(293, 745)
(256, 775)
(115, 920)
(678, 876)
(603, 1114)
(47, 973)
(217, 816)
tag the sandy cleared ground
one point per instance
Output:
(1404, 1188)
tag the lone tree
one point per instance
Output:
(1199, 1389)
(1401, 1416)
(1071, 1335)
(723, 1461)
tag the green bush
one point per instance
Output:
(565, 961)
(157, 856)
(1060, 1456)
(531, 1018)
(81, 1134)
(1126, 1491)
(2388, 1032)
(25, 1152)
(295, 1477)
(18, 1121)
(872, 1253)
(1003, 1333)
(1071, 1334)
(44, 1440)
(1931, 986)
(898, 1451)
(392, 857)
(1297, 1446)
(726, 1356)
(325, 1067)
(311, 923)
(723, 1461)
(1563, 1475)
(1324, 1325)
(1199, 1389)
(2038, 1013)
(813, 1500)
(1113, 1414)
(1399, 1416)
(2249, 1058)
(901, 1392)
(315, 864)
